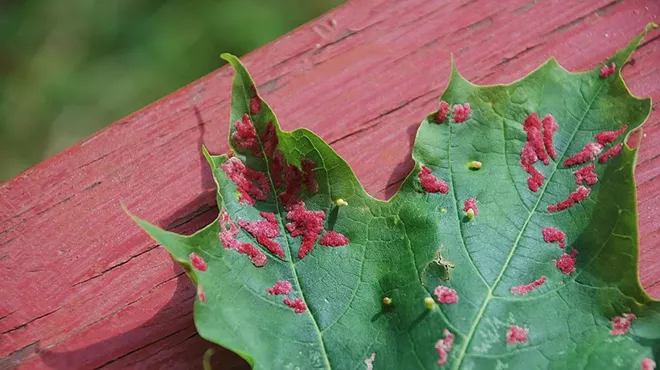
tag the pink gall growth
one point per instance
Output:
(258, 259)
(443, 346)
(527, 159)
(280, 288)
(269, 140)
(245, 136)
(200, 294)
(648, 364)
(297, 304)
(255, 105)
(277, 168)
(445, 295)
(260, 179)
(566, 263)
(369, 361)
(441, 114)
(588, 153)
(577, 196)
(606, 70)
(228, 232)
(551, 235)
(612, 152)
(526, 288)
(293, 181)
(255, 102)
(527, 156)
(309, 176)
(607, 137)
(586, 174)
(461, 112)
(245, 179)
(516, 334)
(532, 126)
(334, 239)
(197, 262)
(550, 126)
(235, 170)
(431, 183)
(309, 224)
(536, 180)
(621, 324)
(531, 122)
(470, 203)
(264, 231)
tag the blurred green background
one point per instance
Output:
(71, 67)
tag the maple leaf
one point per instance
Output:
(512, 244)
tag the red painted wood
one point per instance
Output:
(82, 287)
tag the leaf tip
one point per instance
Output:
(624, 54)
(458, 89)
(454, 73)
(133, 217)
(553, 61)
(228, 57)
(234, 61)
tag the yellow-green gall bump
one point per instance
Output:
(474, 165)
(428, 302)
(341, 203)
(443, 211)
(470, 214)
(387, 301)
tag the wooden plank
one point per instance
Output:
(82, 286)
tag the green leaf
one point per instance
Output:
(379, 293)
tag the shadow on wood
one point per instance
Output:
(403, 168)
(168, 334)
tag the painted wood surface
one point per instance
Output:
(81, 286)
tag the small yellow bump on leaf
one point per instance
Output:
(387, 301)
(474, 165)
(341, 203)
(428, 302)
(443, 211)
(470, 214)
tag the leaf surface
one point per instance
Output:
(426, 279)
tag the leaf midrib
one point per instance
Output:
(292, 265)
(489, 295)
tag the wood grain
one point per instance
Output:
(82, 287)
